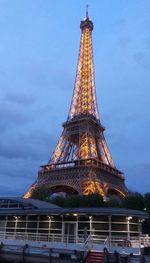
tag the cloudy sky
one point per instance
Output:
(39, 43)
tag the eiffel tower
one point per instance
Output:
(81, 162)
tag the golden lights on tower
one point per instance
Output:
(82, 144)
(84, 98)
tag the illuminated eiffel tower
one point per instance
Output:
(81, 162)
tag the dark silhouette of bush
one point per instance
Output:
(92, 200)
(147, 202)
(75, 201)
(41, 193)
(113, 202)
(133, 201)
(58, 200)
(72, 201)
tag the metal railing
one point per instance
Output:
(42, 237)
(80, 239)
(87, 244)
(145, 240)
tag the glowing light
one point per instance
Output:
(84, 98)
(29, 192)
(129, 218)
(90, 187)
(81, 140)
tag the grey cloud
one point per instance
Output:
(11, 115)
(37, 137)
(143, 60)
(124, 41)
(38, 75)
(121, 22)
(145, 167)
(34, 146)
(18, 168)
(8, 191)
(20, 159)
(147, 42)
(20, 98)
(14, 186)
(16, 148)
(139, 174)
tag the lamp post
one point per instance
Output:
(90, 217)
(128, 226)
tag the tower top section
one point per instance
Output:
(86, 22)
(84, 101)
(87, 7)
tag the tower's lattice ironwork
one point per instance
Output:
(81, 162)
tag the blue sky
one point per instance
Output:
(39, 44)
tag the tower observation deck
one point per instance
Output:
(81, 162)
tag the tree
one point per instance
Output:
(72, 201)
(58, 200)
(113, 202)
(147, 202)
(40, 193)
(133, 201)
(75, 201)
(92, 200)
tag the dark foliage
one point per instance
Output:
(58, 200)
(133, 201)
(72, 201)
(113, 202)
(147, 202)
(93, 200)
(40, 193)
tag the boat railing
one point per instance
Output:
(145, 240)
(87, 244)
(42, 237)
(133, 241)
(97, 239)
(121, 241)
(80, 239)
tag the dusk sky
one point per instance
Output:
(39, 44)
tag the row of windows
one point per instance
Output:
(96, 219)
(47, 224)
(4, 203)
(58, 225)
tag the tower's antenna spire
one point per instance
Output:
(87, 7)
